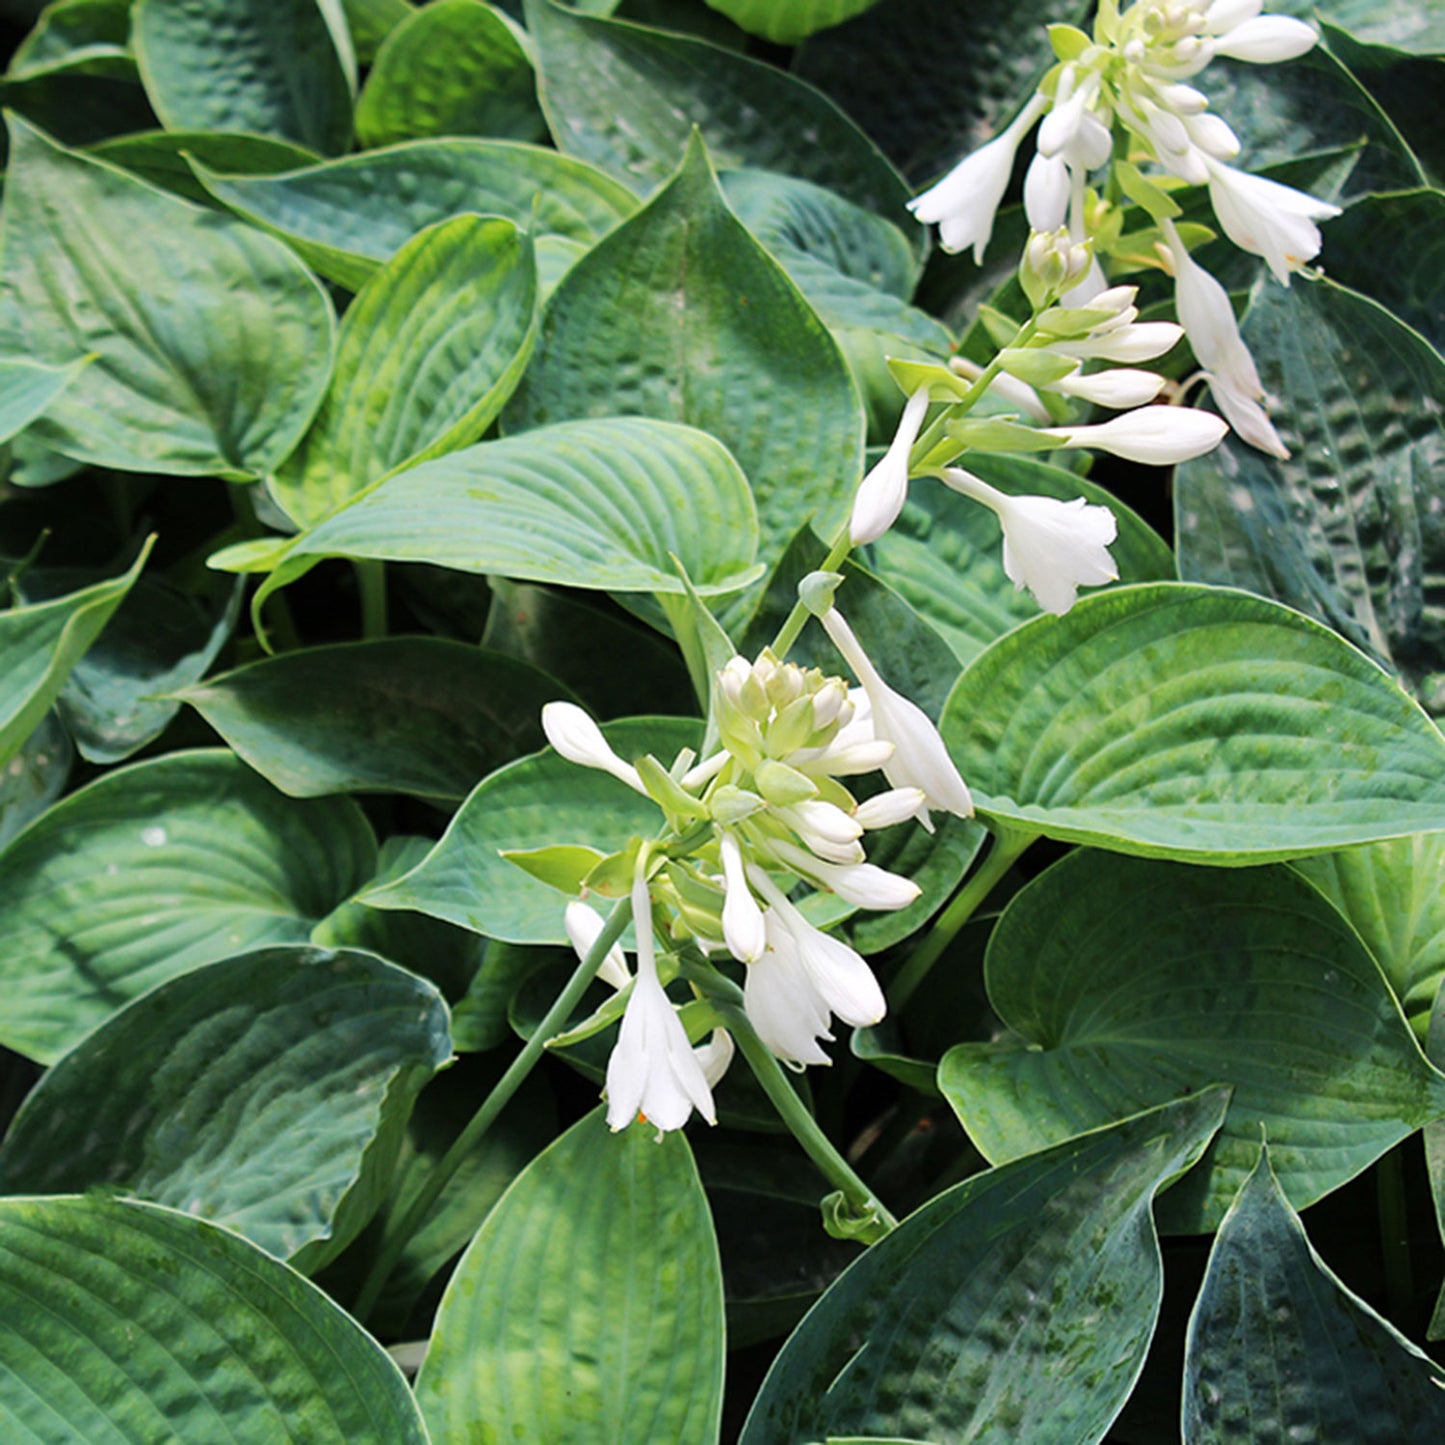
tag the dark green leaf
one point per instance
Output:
(161, 157)
(34, 778)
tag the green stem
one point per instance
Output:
(371, 584)
(1008, 846)
(1395, 1236)
(788, 632)
(793, 1112)
(403, 1229)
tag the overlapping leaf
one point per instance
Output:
(1195, 723)
(1127, 982)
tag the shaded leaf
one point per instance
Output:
(163, 157)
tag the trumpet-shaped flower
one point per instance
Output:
(580, 740)
(584, 927)
(742, 919)
(654, 1071)
(1157, 436)
(1050, 546)
(919, 759)
(883, 491)
(1268, 219)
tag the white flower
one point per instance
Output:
(1118, 388)
(826, 829)
(1127, 344)
(1046, 192)
(1266, 39)
(1158, 436)
(742, 919)
(864, 885)
(715, 1056)
(584, 927)
(883, 491)
(580, 740)
(653, 1070)
(1051, 547)
(883, 810)
(919, 759)
(1204, 308)
(805, 976)
(966, 200)
(1267, 219)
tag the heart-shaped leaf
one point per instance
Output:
(1196, 723)
(924, 1336)
(265, 1092)
(616, 1336)
(121, 1320)
(153, 870)
(1126, 982)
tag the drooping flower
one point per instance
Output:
(654, 1071)
(883, 491)
(1268, 219)
(742, 919)
(584, 927)
(1052, 547)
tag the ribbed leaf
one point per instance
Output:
(1279, 1349)
(533, 803)
(1015, 1306)
(153, 870)
(280, 68)
(1126, 982)
(599, 504)
(122, 1322)
(428, 351)
(212, 344)
(27, 388)
(414, 715)
(1190, 722)
(346, 217)
(785, 22)
(266, 1092)
(164, 157)
(35, 777)
(616, 1335)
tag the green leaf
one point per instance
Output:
(595, 504)
(529, 804)
(1351, 528)
(617, 1336)
(127, 1321)
(43, 643)
(153, 870)
(1015, 1306)
(786, 22)
(429, 350)
(1391, 893)
(416, 715)
(1280, 1349)
(35, 777)
(164, 157)
(944, 555)
(27, 388)
(455, 68)
(1187, 722)
(1396, 24)
(346, 217)
(627, 98)
(679, 314)
(265, 1093)
(281, 68)
(212, 343)
(73, 32)
(1127, 982)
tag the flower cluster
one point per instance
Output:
(1131, 75)
(763, 815)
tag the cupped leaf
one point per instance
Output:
(595, 504)
(280, 68)
(156, 869)
(679, 314)
(73, 32)
(1280, 1349)
(428, 351)
(616, 1336)
(1015, 1306)
(163, 157)
(1350, 529)
(1392, 895)
(265, 1093)
(1126, 982)
(413, 715)
(944, 555)
(533, 803)
(626, 98)
(371, 21)
(212, 343)
(455, 68)
(346, 217)
(126, 1321)
(1196, 723)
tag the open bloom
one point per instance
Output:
(1204, 308)
(1268, 219)
(919, 759)
(1050, 546)
(966, 200)
(653, 1070)
(883, 491)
